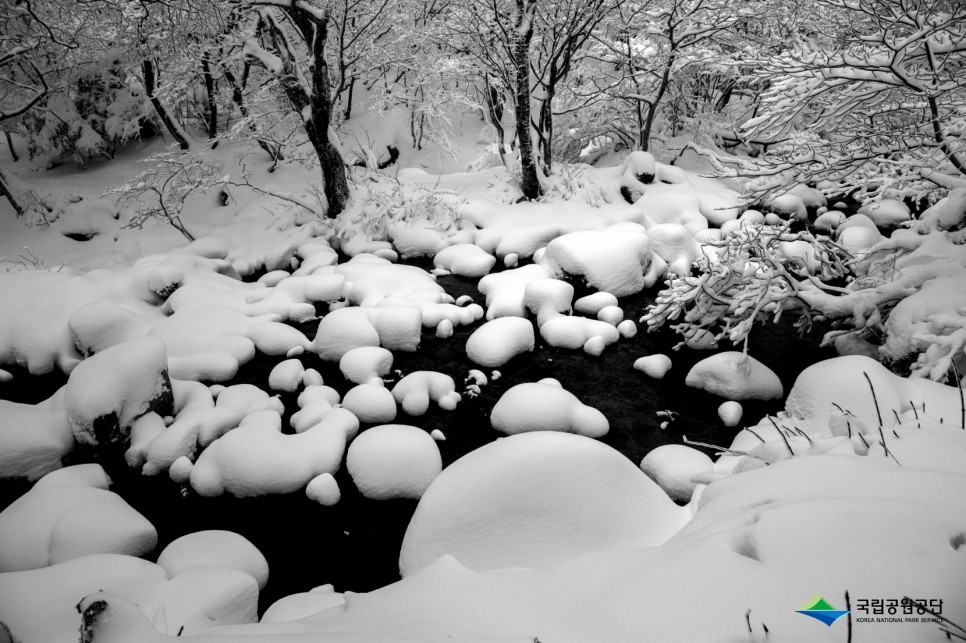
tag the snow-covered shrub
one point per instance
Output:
(159, 194)
(389, 202)
(100, 110)
(758, 273)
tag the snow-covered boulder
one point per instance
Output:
(286, 376)
(842, 381)
(42, 604)
(365, 364)
(887, 213)
(548, 298)
(257, 459)
(371, 403)
(393, 461)
(68, 516)
(499, 340)
(535, 500)
(505, 291)
(214, 547)
(674, 244)
(578, 332)
(735, 376)
(615, 259)
(295, 607)
(788, 206)
(465, 260)
(101, 324)
(655, 366)
(392, 327)
(108, 391)
(672, 467)
(828, 222)
(730, 413)
(369, 280)
(593, 304)
(33, 439)
(416, 390)
(546, 406)
(324, 489)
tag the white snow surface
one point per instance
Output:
(655, 366)
(415, 391)
(465, 260)
(673, 467)
(393, 461)
(365, 364)
(371, 403)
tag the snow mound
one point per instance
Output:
(674, 244)
(197, 425)
(365, 364)
(730, 413)
(613, 315)
(465, 260)
(295, 607)
(33, 439)
(828, 222)
(535, 500)
(68, 517)
(107, 392)
(392, 327)
(286, 376)
(788, 206)
(257, 459)
(672, 467)
(505, 291)
(41, 604)
(543, 406)
(576, 332)
(735, 376)
(324, 490)
(548, 298)
(214, 547)
(369, 280)
(101, 324)
(393, 461)
(499, 340)
(593, 304)
(614, 259)
(842, 381)
(371, 403)
(887, 213)
(416, 390)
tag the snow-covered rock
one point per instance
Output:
(365, 364)
(68, 517)
(655, 366)
(465, 259)
(842, 381)
(575, 332)
(415, 391)
(887, 213)
(593, 304)
(393, 461)
(735, 376)
(730, 413)
(371, 403)
(107, 392)
(615, 259)
(505, 291)
(214, 547)
(672, 467)
(257, 459)
(536, 500)
(548, 298)
(788, 206)
(392, 327)
(33, 439)
(324, 489)
(286, 376)
(499, 340)
(674, 244)
(295, 607)
(545, 406)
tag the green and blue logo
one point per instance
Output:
(821, 610)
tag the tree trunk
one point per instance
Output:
(7, 192)
(212, 102)
(149, 86)
(238, 97)
(523, 34)
(645, 138)
(13, 151)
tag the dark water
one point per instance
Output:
(355, 544)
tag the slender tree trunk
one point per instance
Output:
(13, 151)
(645, 140)
(523, 34)
(210, 94)
(238, 97)
(348, 98)
(149, 86)
(7, 192)
(495, 110)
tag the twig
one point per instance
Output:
(784, 439)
